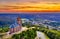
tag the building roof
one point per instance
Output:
(18, 18)
(14, 25)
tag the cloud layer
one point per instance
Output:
(32, 1)
(24, 5)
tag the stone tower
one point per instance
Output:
(17, 26)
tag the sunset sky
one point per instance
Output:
(29, 5)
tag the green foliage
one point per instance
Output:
(15, 36)
(4, 29)
(29, 34)
(53, 34)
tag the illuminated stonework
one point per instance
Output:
(16, 26)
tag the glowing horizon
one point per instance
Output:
(29, 6)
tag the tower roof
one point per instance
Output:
(18, 18)
(15, 24)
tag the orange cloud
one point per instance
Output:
(31, 8)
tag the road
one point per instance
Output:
(40, 35)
